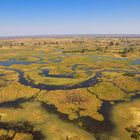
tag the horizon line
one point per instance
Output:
(69, 35)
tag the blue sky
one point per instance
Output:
(42, 17)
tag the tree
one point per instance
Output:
(22, 44)
(111, 43)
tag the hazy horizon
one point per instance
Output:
(71, 35)
(53, 17)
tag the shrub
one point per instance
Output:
(131, 74)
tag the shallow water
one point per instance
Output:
(89, 124)
(13, 61)
(136, 62)
(90, 82)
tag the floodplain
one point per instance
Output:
(70, 88)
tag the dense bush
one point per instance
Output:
(131, 74)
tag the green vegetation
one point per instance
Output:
(107, 91)
(126, 117)
(129, 84)
(130, 74)
(50, 125)
(69, 88)
(74, 103)
(15, 91)
(135, 133)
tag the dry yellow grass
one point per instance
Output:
(14, 91)
(75, 103)
(107, 91)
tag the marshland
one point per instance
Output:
(69, 88)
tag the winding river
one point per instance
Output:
(90, 124)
